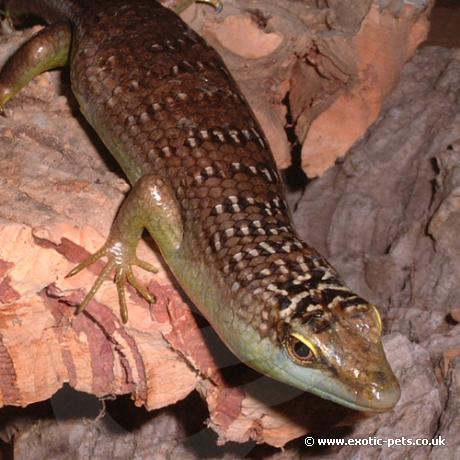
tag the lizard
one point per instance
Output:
(206, 188)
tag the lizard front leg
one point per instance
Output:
(150, 205)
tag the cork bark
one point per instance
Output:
(305, 66)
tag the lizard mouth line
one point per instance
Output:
(367, 398)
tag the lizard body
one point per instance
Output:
(206, 187)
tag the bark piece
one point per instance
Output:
(323, 69)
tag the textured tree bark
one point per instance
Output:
(59, 192)
(316, 63)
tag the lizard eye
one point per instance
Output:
(300, 349)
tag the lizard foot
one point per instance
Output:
(184, 4)
(121, 260)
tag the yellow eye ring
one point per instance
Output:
(379, 319)
(301, 349)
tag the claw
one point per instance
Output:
(139, 288)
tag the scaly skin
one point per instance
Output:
(206, 187)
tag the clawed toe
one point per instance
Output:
(88, 261)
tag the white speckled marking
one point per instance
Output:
(219, 135)
(236, 286)
(267, 247)
(167, 151)
(219, 209)
(286, 248)
(234, 135)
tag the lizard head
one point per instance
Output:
(313, 333)
(337, 354)
(322, 337)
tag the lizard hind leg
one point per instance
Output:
(151, 204)
(46, 50)
(182, 5)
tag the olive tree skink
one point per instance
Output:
(206, 187)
